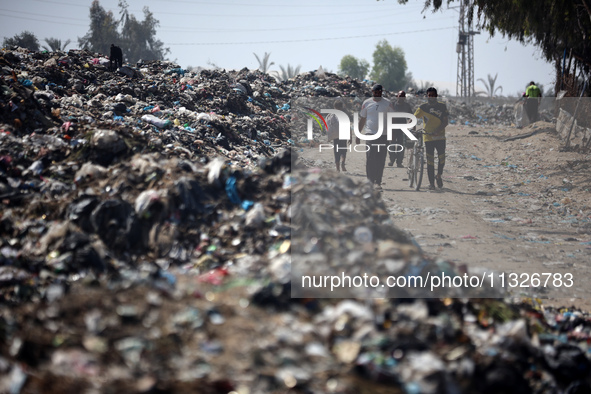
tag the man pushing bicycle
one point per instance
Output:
(436, 118)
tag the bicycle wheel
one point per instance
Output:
(420, 168)
(411, 169)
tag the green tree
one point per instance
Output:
(25, 40)
(139, 37)
(53, 44)
(264, 64)
(389, 66)
(103, 30)
(555, 26)
(353, 67)
(489, 85)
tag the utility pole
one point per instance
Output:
(465, 51)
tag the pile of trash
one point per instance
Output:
(146, 241)
(482, 111)
(55, 92)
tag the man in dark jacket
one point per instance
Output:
(401, 105)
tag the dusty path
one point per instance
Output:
(518, 206)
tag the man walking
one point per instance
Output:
(435, 116)
(372, 110)
(401, 105)
(534, 96)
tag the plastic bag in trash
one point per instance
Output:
(156, 121)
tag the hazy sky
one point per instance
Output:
(305, 33)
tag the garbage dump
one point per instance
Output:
(146, 246)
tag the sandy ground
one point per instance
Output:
(517, 206)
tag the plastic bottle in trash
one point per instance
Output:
(161, 123)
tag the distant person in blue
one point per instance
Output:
(116, 58)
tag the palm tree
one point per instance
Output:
(54, 45)
(490, 86)
(287, 72)
(264, 64)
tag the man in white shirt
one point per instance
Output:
(369, 118)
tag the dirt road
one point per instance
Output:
(511, 201)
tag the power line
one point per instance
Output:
(34, 14)
(315, 6)
(329, 26)
(59, 20)
(282, 15)
(308, 40)
(63, 3)
(345, 23)
(43, 20)
(207, 3)
(228, 15)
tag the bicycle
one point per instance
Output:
(416, 162)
